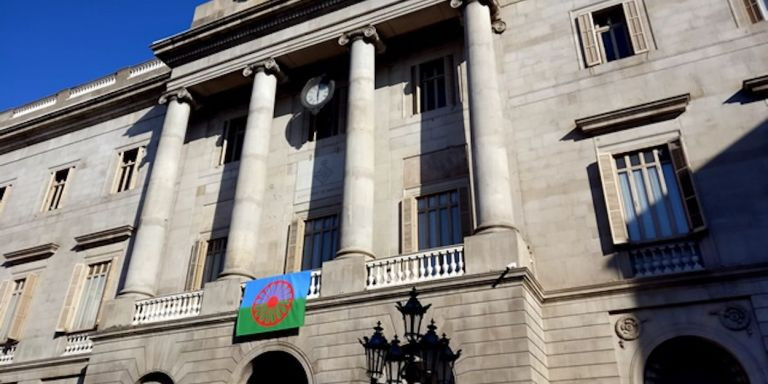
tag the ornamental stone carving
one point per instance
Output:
(628, 328)
(734, 317)
(269, 66)
(368, 33)
(497, 24)
(181, 94)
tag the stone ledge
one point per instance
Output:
(30, 254)
(107, 236)
(756, 86)
(643, 114)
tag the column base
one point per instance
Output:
(137, 293)
(235, 274)
(221, 296)
(344, 275)
(494, 250)
(354, 252)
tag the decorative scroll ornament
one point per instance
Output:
(734, 317)
(181, 94)
(269, 66)
(628, 328)
(367, 33)
(497, 24)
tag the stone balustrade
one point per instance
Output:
(143, 68)
(78, 343)
(433, 264)
(33, 107)
(314, 284)
(6, 353)
(165, 308)
(92, 86)
(666, 259)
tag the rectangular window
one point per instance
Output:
(5, 191)
(432, 84)
(611, 33)
(331, 119)
(439, 220)
(128, 169)
(91, 296)
(206, 263)
(232, 140)
(757, 10)
(321, 241)
(57, 186)
(13, 301)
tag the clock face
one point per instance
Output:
(317, 92)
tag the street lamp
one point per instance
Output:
(424, 359)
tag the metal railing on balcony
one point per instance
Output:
(78, 343)
(171, 307)
(433, 264)
(666, 259)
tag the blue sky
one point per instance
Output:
(49, 45)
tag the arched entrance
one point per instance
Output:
(155, 378)
(691, 359)
(277, 367)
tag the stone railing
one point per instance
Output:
(434, 264)
(314, 284)
(92, 86)
(32, 107)
(78, 343)
(666, 259)
(141, 69)
(6, 353)
(172, 307)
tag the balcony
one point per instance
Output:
(78, 343)
(171, 307)
(6, 353)
(665, 259)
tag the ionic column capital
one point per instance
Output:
(367, 33)
(268, 66)
(182, 95)
(498, 25)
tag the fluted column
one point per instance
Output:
(489, 153)
(357, 207)
(141, 279)
(252, 175)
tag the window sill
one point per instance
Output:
(616, 65)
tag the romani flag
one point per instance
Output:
(273, 303)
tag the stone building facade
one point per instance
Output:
(610, 153)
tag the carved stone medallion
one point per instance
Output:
(734, 317)
(628, 328)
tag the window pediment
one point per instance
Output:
(108, 236)
(757, 86)
(30, 254)
(643, 114)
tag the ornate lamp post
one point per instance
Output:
(425, 359)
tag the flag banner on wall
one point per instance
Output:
(273, 303)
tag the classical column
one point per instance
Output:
(357, 207)
(147, 252)
(244, 227)
(489, 153)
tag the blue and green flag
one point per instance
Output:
(273, 303)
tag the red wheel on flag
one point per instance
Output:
(273, 303)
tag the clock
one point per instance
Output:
(317, 93)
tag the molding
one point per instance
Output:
(30, 254)
(107, 236)
(181, 95)
(268, 66)
(367, 33)
(756, 86)
(643, 114)
(43, 364)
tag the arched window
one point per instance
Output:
(690, 359)
(277, 367)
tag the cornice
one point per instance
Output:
(38, 252)
(643, 114)
(45, 364)
(107, 236)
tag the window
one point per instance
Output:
(207, 262)
(90, 285)
(331, 119)
(232, 140)
(433, 85)
(56, 189)
(757, 10)
(15, 298)
(611, 33)
(650, 194)
(321, 241)
(435, 220)
(128, 169)
(5, 191)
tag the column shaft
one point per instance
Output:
(357, 208)
(489, 153)
(147, 254)
(251, 180)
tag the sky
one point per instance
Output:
(50, 45)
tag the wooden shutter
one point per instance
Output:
(196, 266)
(612, 197)
(635, 25)
(753, 10)
(109, 287)
(70, 301)
(409, 226)
(6, 287)
(20, 318)
(589, 40)
(295, 250)
(687, 188)
(465, 208)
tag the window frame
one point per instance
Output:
(450, 77)
(305, 233)
(133, 181)
(584, 31)
(294, 249)
(50, 191)
(17, 321)
(224, 141)
(339, 102)
(408, 215)
(198, 272)
(7, 188)
(73, 300)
